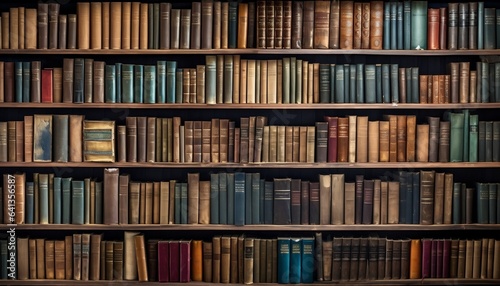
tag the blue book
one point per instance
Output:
(387, 26)
(407, 24)
(394, 26)
(29, 215)
(394, 78)
(386, 83)
(66, 200)
(223, 199)
(295, 275)
(211, 79)
(118, 77)
(339, 84)
(98, 203)
(347, 81)
(283, 260)
(26, 81)
(127, 83)
(378, 83)
(214, 198)
(161, 77)
(307, 274)
(177, 203)
(268, 202)
(43, 189)
(77, 202)
(171, 69)
(332, 82)
(399, 21)
(138, 83)
(18, 79)
(360, 83)
(149, 84)
(110, 84)
(57, 200)
(230, 198)
(416, 198)
(239, 198)
(78, 80)
(248, 198)
(255, 201)
(184, 203)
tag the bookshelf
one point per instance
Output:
(420, 210)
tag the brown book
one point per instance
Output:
(346, 24)
(68, 247)
(308, 25)
(343, 139)
(85, 257)
(325, 198)
(83, 17)
(185, 29)
(135, 26)
(19, 141)
(195, 25)
(376, 24)
(68, 68)
(321, 24)
(115, 27)
(57, 74)
(95, 87)
(352, 138)
(31, 26)
(422, 145)
(411, 130)
(205, 141)
(365, 25)
(393, 203)
(72, 30)
(108, 260)
(362, 139)
(242, 25)
(141, 258)
(175, 28)
(193, 197)
(40, 258)
(423, 88)
(270, 23)
(469, 258)
(23, 256)
(402, 85)
(401, 138)
(59, 259)
(296, 28)
(433, 20)
(204, 202)
(96, 25)
(111, 185)
(118, 260)
(77, 256)
(14, 28)
(438, 198)
(464, 70)
(444, 141)
(384, 141)
(87, 80)
(334, 25)
(393, 138)
(357, 14)
(131, 123)
(427, 197)
(11, 141)
(278, 24)
(121, 143)
(105, 25)
(32, 262)
(206, 24)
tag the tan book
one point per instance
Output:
(85, 263)
(140, 253)
(273, 144)
(251, 81)
(225, 259)
(469, 259)
(373, 141)
(59, 259)
(352, 139)
(384, 190)
(216, 260)
(272, 75)
(125, 22)
(365, 25)
(393, 203)
(321, 24)
(115, 30)
(23, 252)
(346, 24)
(49, 260)
(5, 30)
(221, 25)
(411, 128)
(349, 202)
(280, 147)
(57, 84)
(362, 139)
(40, 258)
(302, 143)
(96, 25)
(68, 248)
(313, 97)
(496, 260)
(135, 25)
(422, 143)
(105, 16)
(242, 25)
(305, 81)
(31, 28)
(343, 140)
(148, 219)
(310, 146)
(393, 138)
(129, 259)
(337, 199)
(21, 25)
(143, 28)
(32, 261)
(296, 144)
(263, 81)
(400, 137)
(243, 81)
(325, 199)
(193, 197)
(14, 28)
(83, 18)
(438, 198)
(204, 205)
(289, 143)
(236, 78)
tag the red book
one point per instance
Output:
(446, 258)
(174, 261)
(426, 258)
(163, 259)
(185, 261)
(332, 138)
(47, 90)
(433, 258)
(439, 259)
(433, 29)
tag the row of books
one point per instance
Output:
(397, 138)
(230, 79)
(422, 197)
(257, 24)
(241, 259)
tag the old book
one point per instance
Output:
(98, 141)
(141, 257)
(83, 16)
(422, 152)
(42, 138)
(362, 139)
(427, 197)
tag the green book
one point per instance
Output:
(496, 98)
(156, 25)
(492, 203)
(110, 84)
(352, 83)
(18, 76)
(473, 137)
(171, 69)
(480, 25)
(482, 202)
(485, 90)
(481, 141)
(161, 79)
(286, 80)
(233, 24)
(248, 198)
(228, 79)
(149, 84)
(489, 28)
(394, 83)
(29, 203)
(293, 79)
(230, 198)
(214, 198)
(496, 141)
(418, 25)
(179, 90)
(118, 81)
(77, 202)
(223, 200)
(324, 83)
(456, 137)
(184, 203)
(415, 85)
(98, 203)
(127, 83)
(378, 83)
(407, 25)
(26, 81)
(86, 200)
(360, 83)
(210, 79)
(78, 80)
(295, 276)
(268, 202)
(386, 83)
(255, 194)
(307, 260)
(138, 83)
(465, 156)
(370, 84)
(239, 198)
(339, 84)
(456, 204)
(298, 84)
(57, 200)
(283, 260)
(387, 26)
(488, 151)
(66, 200)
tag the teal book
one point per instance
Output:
(138, 83)
(118, 81)
(465, 156)
(255, 182)
(262, 186)
(127, 83)
(77, 202)
(184, 203)
(230, 198)
(171, 69)
(110, 84)
(386, 83)
(78, 80)
(57, 200)
(26, 81)
(415, 85)
(211, 80)
(387, 26)
(179, 86)
(400, 26)
(394, 26)
(298, 83)
(347, 81)
(177, 203)
(482, 202)
(283, 260)
(473, 137)
(161, 86)
(43, 189)
(407, 25)
(370, 84)
(149, 84)
(223, 199)
(29, 203)
(394, 83)
(456, 137)
(18, 79)
(489, 28)
(339, 84)
(42, 138)
(378, 83)
(480, 26)
(286, 80)
(360, 83)
(239, 198)
(492, 203)
(352, 83)
(293, 79)
(268, 202)
(248, 198)
(233, 24)
(324, 83)
(485, 90)
(66, 200)
(332, 83)
(307, 260)
(214, 198)
(295, 276)
(456, 214)
(418, 25)
(98, 203)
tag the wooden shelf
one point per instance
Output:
(355, 106)
(291, 52)
(259, 227)
(378, 165)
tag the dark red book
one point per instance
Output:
(173, 255)
(439, 259)
(9, 81)
(185, 261)
(163, 259)
(358, 203)
(368, 186)
(295, 201)
(332, 138)
(446, 258)
(433, 258)
(304, 203)
(47, 86)
(426, 258)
